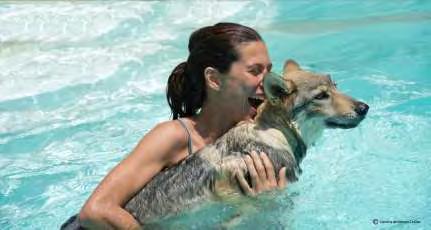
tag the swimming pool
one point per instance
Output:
(81, 82)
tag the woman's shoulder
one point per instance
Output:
(168, 138)
(172, 129)
(169, 132)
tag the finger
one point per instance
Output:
(244, 184)
(255, 182)
(282, 180)
(270, 172)
(257, 161)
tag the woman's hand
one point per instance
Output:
(262, 175)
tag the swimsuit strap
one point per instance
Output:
(189, 137)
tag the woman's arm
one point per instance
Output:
(262, 175)
(162, 146)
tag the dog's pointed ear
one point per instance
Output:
(290, 65)
(276, 87)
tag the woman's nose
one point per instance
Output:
(260, 85)
(261, 80)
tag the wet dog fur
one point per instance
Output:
(298, 106)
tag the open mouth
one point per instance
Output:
(255, 102)
(331, 124)
(344, 123)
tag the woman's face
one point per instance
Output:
(242, 88)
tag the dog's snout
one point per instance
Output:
(361, 108)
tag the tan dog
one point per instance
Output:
(297, 108)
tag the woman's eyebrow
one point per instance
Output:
(260, 66)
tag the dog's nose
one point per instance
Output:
(361, 108)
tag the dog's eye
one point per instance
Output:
(321, 96)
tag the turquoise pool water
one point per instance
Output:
(81, 82)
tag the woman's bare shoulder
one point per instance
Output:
(167, 135)
(169, 131)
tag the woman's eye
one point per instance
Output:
(254, 72)
(321, 96)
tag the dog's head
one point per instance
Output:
(309, 96)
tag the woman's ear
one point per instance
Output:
(212, 78)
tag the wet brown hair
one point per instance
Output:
(211, 46)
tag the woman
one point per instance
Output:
(208, 94)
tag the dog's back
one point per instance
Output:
(174, 189)
(204, 175)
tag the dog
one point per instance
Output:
(299, 105)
